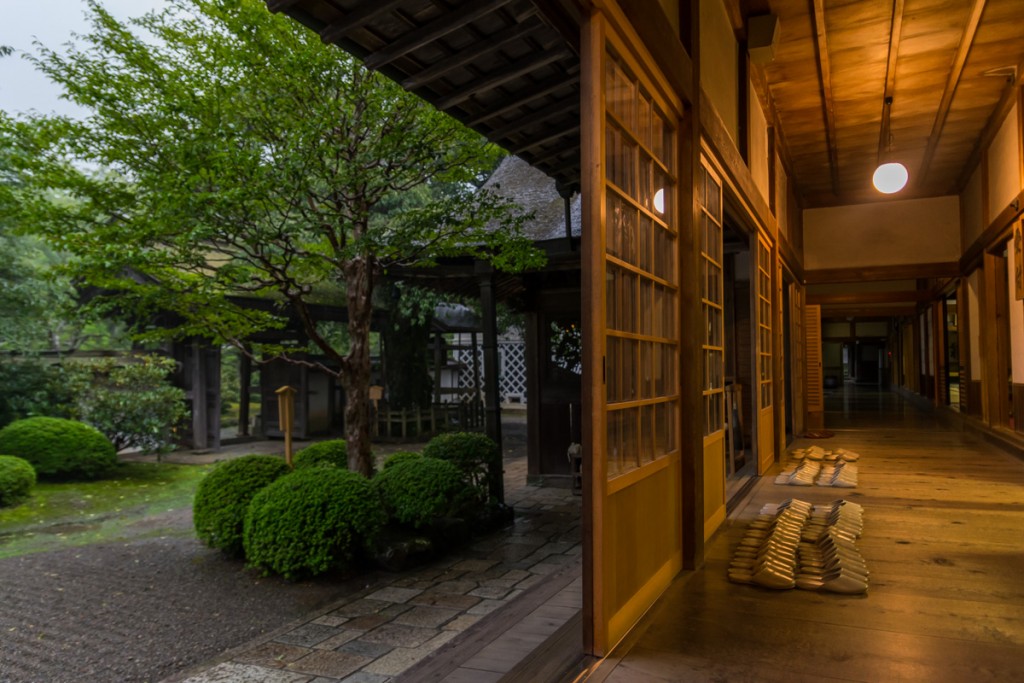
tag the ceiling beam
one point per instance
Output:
(988, 133)
(839, 312)
(825, 81)
(955, 71)
(540, 90)
(360, 16)
(910, 271)
(898, 297)
(483, 47)
(509, 73)
(559, 108)
(895, 30)
(432, 31)
(552, 135)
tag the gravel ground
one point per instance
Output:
(152, 604)
(140, 610)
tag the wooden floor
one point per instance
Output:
(943, 540)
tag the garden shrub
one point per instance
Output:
(330, 453)
(311, 521)
(223, 497)
(30, 389)
(475, 454)
(131, 400)
(419, 490)
(399, 457)
(17, 477)
(59, 448)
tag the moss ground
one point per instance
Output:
(124, 504)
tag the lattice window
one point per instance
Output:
(712, 302)
(764, 319)
(641, 275)
(511, 369)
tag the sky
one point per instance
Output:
(51, 22)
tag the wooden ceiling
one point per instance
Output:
(948, 66)
(502, 67)
(510, 69)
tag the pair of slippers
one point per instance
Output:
(767, 554)
(832, 564)
(795, 544)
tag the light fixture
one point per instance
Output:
(890, 177)
(659, 201)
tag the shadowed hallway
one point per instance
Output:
(944, 543)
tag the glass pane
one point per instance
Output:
(647, 449)
(646, 307)
(630, 362)
(614, 443)
(612, 364)
(612, 286)
(613, 239)
(647, 243)
(644, 121)
(627, 306)
(630, 451)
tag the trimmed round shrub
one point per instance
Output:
(16, 480)
(330, 453)
(223, 498)
(419, 490)
(473, 453)
(399, 457)
(58, 448)
(312, 521)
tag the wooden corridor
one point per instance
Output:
(944, 543)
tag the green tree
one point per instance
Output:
(239, 155)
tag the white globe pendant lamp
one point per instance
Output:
(890, 178)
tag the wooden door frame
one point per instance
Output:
(604, 620)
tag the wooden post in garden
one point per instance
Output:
(285, 417)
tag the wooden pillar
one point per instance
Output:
(492, 398)
(438, 360)
(244, 393)
(691, 318)
(199, 432)
(534, 390)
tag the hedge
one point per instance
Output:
(223, 497)
(312, 521)
(16, 480)
(59, 448)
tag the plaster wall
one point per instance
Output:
(757, 147)
(1004, 181)
(883, 234)
(973, 208)
(974, 322)
(836, 330)
(782, 200)
(1016, 324)
(872, 329)
(719, 64)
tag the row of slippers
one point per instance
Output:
(840, 474)
(819, 454)
(798, 545)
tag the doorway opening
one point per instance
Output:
(740, 386)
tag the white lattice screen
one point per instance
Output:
(511, 364)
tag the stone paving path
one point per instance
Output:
(376, 634)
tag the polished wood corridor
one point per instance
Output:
(943, 540)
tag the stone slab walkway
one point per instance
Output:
(376, 634)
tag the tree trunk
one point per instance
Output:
(359, 284)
